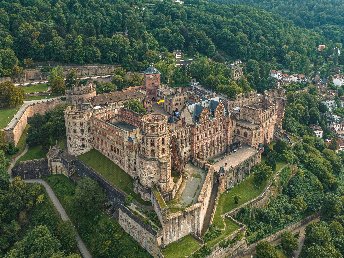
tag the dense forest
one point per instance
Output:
(135, 33)
(325, 17)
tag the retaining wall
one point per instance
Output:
(31, 169)
(16, 127)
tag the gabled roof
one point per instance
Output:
(152, 70)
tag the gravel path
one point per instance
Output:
(14, 161)
(81, 245)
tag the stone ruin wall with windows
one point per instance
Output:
(149, 147)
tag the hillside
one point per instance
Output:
(134, 33)
(325, 17)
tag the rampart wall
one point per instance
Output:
(147, 238)
(16, 127)
(31, 169)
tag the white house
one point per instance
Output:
(317, 131)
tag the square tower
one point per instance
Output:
(152, 83)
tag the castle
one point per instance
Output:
(186, 131)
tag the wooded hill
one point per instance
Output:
(135, 33)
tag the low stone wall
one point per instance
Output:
(259, 201)
(142, 233)
(5, 79)
(113, 194)
(31, 169)
(16, 127)
(275, 237)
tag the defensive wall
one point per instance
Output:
(16, 127)
(31, 169)
(41, 74)
(176, 225)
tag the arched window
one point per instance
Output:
(245, 134)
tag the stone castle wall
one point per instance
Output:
(114, 195)
(16, 127)
(183, 223)
(144, 235)
(31, 169)
(36, 74)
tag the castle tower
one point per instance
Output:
(152, 82)
(77, 120)
(81, 93)
(154, 166)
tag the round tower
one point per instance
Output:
(154, 155)
(78, 129)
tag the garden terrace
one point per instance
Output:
(182, 248)
(246, 190)
(111, 172)
(42, 87)
(6, 116)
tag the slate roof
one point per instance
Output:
(152, 70)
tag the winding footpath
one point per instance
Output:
(58, 206)
(14, 161)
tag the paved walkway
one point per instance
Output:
(14, 161)
(81, 245)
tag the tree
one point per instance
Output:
(135, 106)
(39, 242)
(4, 177)
(46, 129)
(280, 146)
(10, 95)
(56, 80)
(262, 173)
(266, 250)
(289, 243)
(332, 206)
(236, 199)
(89, 197)
(71, 79)
(67, 236)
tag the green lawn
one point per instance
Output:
(35, 88)
(62, 185)
(111, 172)
(230, 227)
(246, 190)
(279, 165)
(34, 153)
(6, 116)
(182, 248)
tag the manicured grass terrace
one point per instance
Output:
(230, 227)
(42, 87)
(111, 172)
(34, 153)
(182, 248)
(246, 190)
(6, 116)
